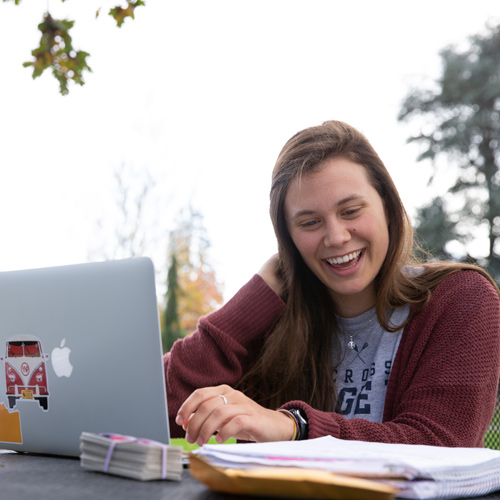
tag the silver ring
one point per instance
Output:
(223, 398)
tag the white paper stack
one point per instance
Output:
(132, 457)
(418, 471)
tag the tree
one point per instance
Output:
(435, 229)
(56, 46)
(459, 119)
(192, 288)
(129, 220)
(195, 292)
(171, 330)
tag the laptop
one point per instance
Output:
(80, 350)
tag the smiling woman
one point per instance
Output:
(344, 332)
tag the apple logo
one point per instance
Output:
(60, 360)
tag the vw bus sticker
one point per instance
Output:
(25, 371)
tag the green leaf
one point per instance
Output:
(56, 52)
(120, 13)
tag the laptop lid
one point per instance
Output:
(80, 350)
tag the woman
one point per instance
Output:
(346, 334)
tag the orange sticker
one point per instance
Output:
(10, 426)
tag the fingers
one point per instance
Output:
(227, 421)
(199, 410)
(208, 411)
(230, 413)
(213, 414)
(196, 399)
(269, 272)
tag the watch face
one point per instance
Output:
(301, 418)
(300, 415)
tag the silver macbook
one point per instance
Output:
(80, 350)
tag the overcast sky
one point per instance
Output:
(202, 95)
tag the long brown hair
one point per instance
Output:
(296, 361)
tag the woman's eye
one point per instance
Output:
(351, 212)
(309, 224)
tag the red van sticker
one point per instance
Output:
(25, 371)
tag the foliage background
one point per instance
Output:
(201, 96)
(459, 130)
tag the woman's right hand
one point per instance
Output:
(231, 414)
(269, 273)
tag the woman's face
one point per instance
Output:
(338, 223)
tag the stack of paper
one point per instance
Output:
(417, 471)
(132, 457)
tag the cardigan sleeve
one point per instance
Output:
(443, 385)
(223, 346)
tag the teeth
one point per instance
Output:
(344, 259)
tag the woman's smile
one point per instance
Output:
(350, 259)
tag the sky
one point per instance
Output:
(200, 96)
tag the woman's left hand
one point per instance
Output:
(231, 414)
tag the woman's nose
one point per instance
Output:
(337, 233)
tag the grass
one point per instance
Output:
(492, 440)
(492, 435)
(190, 447)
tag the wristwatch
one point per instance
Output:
(303, 426)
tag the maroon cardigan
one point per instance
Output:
(443, 384)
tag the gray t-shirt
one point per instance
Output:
(361, 379)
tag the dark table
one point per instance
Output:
(30, 477)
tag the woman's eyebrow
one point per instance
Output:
(349, 198)
(300, 213)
